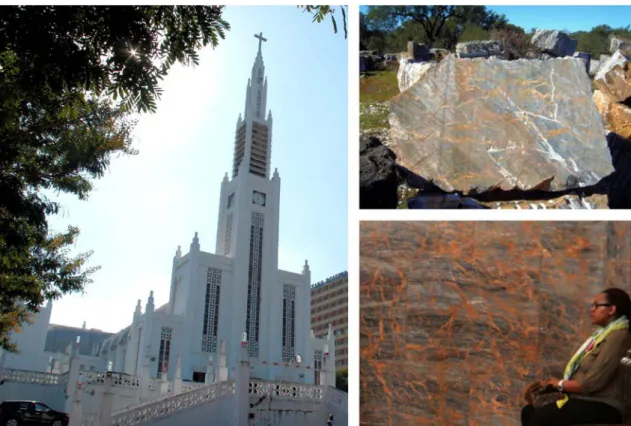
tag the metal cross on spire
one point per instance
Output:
(261, 40)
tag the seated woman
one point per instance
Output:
(590, 391)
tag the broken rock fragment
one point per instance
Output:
(614, 77)
(474, 125)
(616, 116)
(617, 43)
(480, 49)
(554, 42)
(411, 71)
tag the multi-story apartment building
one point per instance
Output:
(329, 305)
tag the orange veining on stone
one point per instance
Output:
(456, 318)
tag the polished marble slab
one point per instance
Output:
(457, 318)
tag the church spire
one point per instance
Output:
(253, 136)
(261, 40)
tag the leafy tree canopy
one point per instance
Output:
(70, 77)
(437, 26)
(389, 28)
(341, 379)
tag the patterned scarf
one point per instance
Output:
(592, 341)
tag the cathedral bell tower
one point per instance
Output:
(247, 230)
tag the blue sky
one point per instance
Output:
(148, 204)
(571, 18)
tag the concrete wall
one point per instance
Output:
(123, 397)
(219, 411)
(52, 395)
(30, 343)
(286, 412)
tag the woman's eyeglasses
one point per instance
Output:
(595, 306)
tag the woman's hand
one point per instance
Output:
(552, 382)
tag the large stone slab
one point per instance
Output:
(418, 52)
(456, 318)
(480, 49)
(477, 124)
(619, 191)
(585, 57)
(411, 71)
(616, 116)
(614, 77)
(594, 66)
(363, 64)
(617, 43)
(556, 43)
(378, 181)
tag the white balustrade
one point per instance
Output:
(162, 407)
(118, 380)
(89, 420)
(38, 377)
(188, 386)
(287, 390)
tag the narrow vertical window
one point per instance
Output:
(211, 310)
(289, 311)
(254, 284)
(165, 350)
(317, 367)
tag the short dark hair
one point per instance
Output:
(621, 300)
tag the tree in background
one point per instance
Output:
(341, 379)
(596, 41)
(517, 42)
(437, 26)
(389, 28)
(321, 12)
(70, 80)
(431, 18)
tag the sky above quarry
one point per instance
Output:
(148, 204)
(570, 18)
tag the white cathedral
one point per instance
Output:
(237, 293)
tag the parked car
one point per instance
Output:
(17, 413)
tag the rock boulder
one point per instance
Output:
(378, 177)
(442, 201)
(554, 42)
(418, 52)
(411, 71)
(479, 124)
(585, 57)
(614, 77)
(617, 43)
(594, 66)
(480, 49)
(619, 191)
(616, 116)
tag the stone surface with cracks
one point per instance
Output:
(472, 125)
(456, 318)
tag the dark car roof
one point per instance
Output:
(26, 401)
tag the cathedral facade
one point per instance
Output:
(236, 295)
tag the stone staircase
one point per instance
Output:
(270, 403)
(166, 406)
